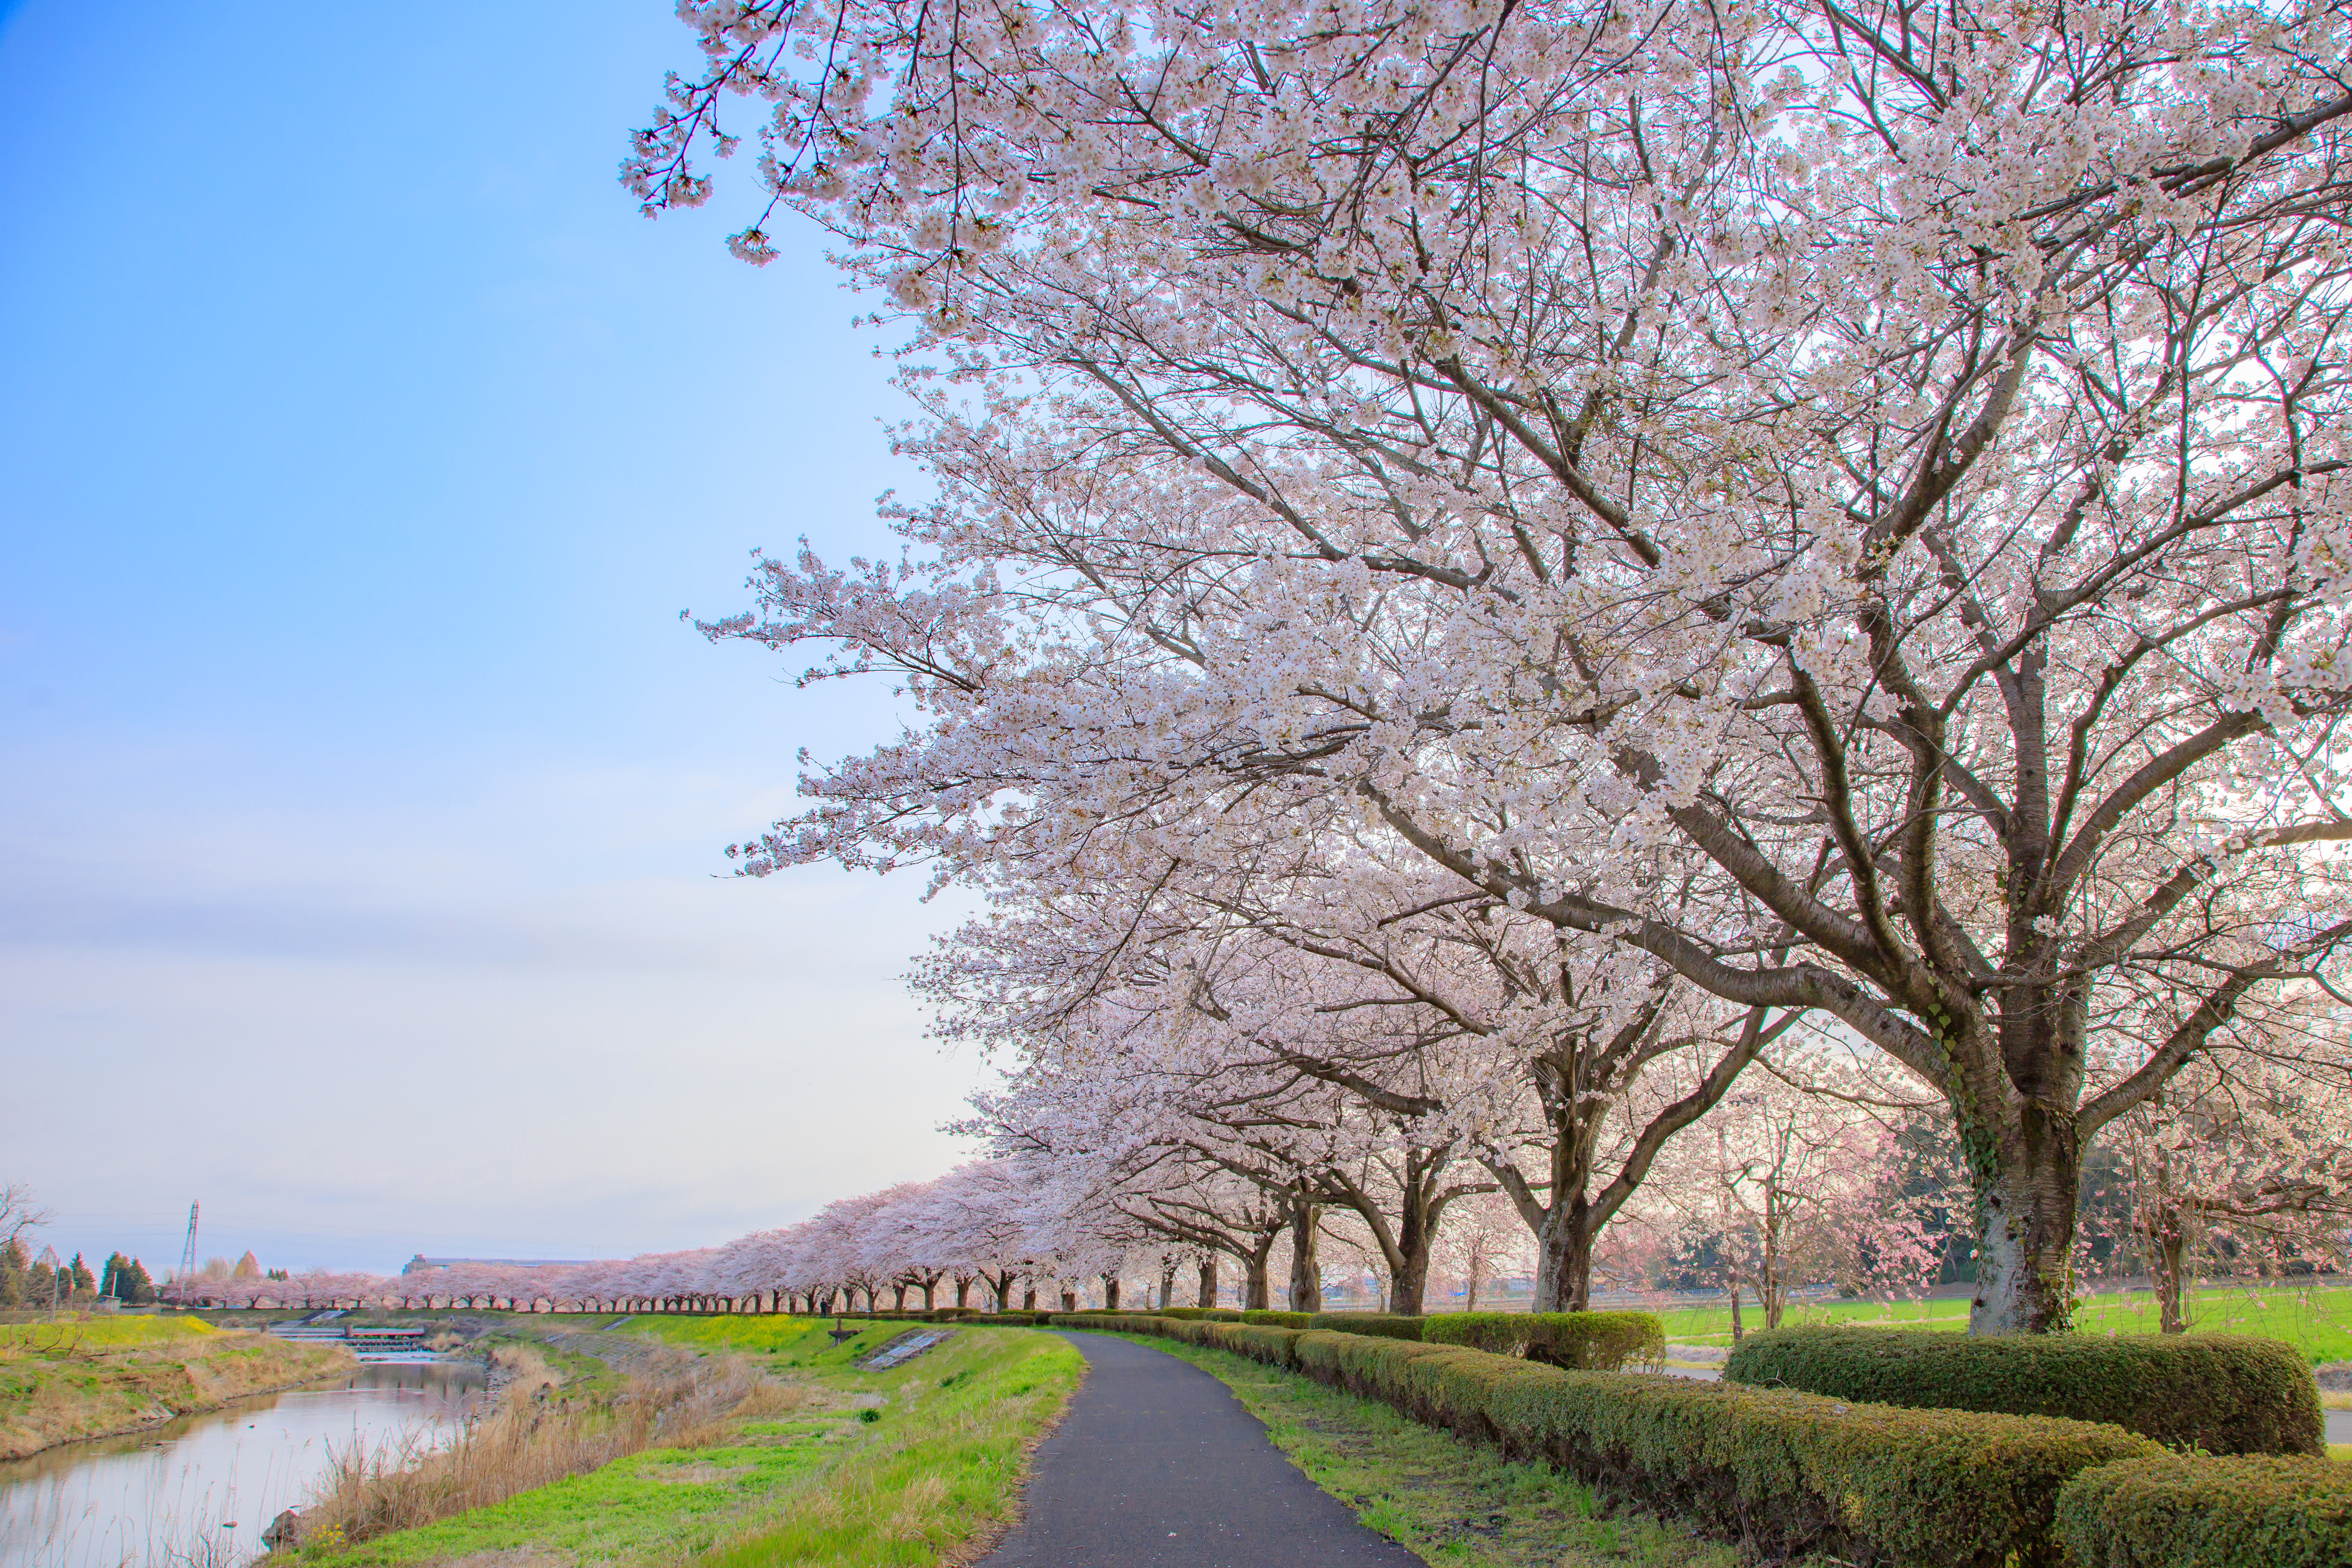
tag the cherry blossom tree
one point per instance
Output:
(2244, 1161)
(1793, 1181)
(1849, 505)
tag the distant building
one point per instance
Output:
(420, 1264)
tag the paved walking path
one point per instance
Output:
(1158, 1466)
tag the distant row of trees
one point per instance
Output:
(29, 1281)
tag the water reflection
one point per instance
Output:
(202, 1489)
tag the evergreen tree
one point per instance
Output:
(14, 1265)
(82, 1281)
(117, 1281)
(138, 1288)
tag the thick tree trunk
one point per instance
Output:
(1257, 1291)
(1208, 1280)
(963, 1292)
(1029, 1299)
(929, 1287)
(2025, 1238)
(898, 1297)
(1409, 1281)
(2167, 1254)
(1111, 1291)
(1069, 1301)
(1409, 1270)
(1564, 1259)
(1306, 1264)
(2171, 1319)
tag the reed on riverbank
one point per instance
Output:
(532, 1437)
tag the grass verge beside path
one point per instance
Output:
(89, 1376)
(911, 1467)
(1446, 1500)
(934, 1482)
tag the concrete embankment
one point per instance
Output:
(72, 1379)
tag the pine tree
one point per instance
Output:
(83, 1282)
(14, 1265)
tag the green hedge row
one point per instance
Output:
(2225, 1394)
(1584, 1341)
(1387, 1325)
(2247, 1512)
(1785, 1473)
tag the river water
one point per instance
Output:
(202, 1489)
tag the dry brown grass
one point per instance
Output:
(530, 1439)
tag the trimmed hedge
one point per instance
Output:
(2256, 1511)
(1282, 1319)
(1581, 1342)
(1221, 1314)
(1387, 1325)
(1783, 1473)
(2226, 1394)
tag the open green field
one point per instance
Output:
(2315, 1319)
(903, 1469)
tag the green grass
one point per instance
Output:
(937, 1476)
(2315, 1319)
(662, 1501)
(1446, 1500)
(898, 1468)
(789, 1338)
(92, 1329)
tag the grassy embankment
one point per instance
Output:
(915, 1466)
(2315, 1319)
(91, 1376)
(1446, 1500)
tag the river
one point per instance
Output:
(201, 1489)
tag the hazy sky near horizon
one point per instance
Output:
(363, 799)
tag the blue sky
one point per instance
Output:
(361, 797)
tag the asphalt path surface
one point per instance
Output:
(1158, 1466)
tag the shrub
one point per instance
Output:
(2226, 1394)
(1282, 1319)
(1581, 1342)
(1784, 1473)
(1386, 1325)
(2248, 1511)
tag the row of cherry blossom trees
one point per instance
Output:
(1119, 1170)
(1515, 585)
(991, 1232)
